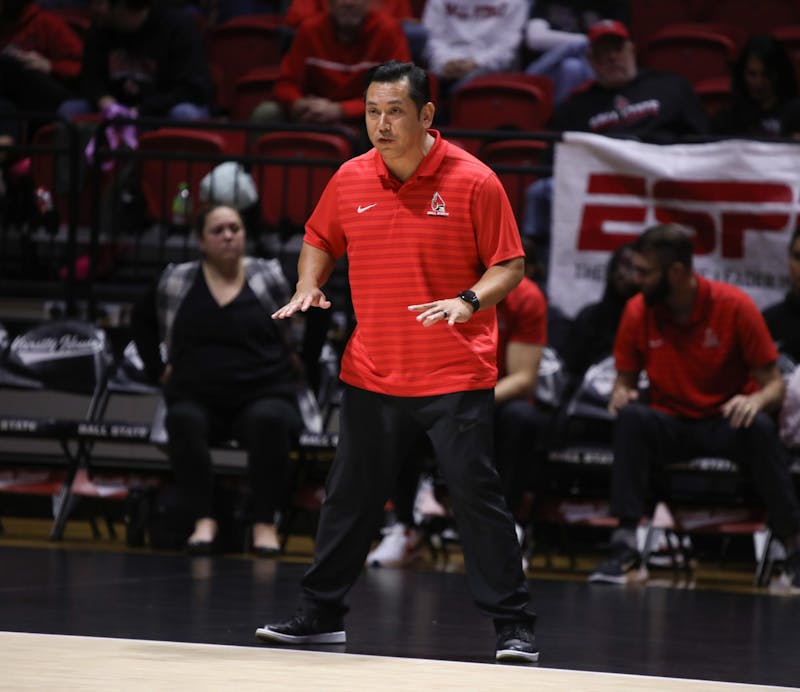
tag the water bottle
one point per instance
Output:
(181, 208)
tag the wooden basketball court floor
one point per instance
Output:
(89, 616)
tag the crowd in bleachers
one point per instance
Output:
(278, 86)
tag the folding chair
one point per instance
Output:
(54, 367)
(296, 169)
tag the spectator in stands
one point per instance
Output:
(141, 56)
(556, 33)
(592, 332)
(228, 371)
(39, 62)
(783, 319)
(322, 76)
(300, 10)
(763, 84)
(714, 389)
(522, 336)
(621, 100)
(471, 37)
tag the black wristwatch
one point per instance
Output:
(470, 298)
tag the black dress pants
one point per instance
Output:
(263, 427)
(376, 432)
(645, 439)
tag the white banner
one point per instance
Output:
(740, 197)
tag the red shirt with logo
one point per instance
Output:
(521, 318)
(695, 368)
(413, 242)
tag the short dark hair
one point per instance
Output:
(669, 242)
(419, 87)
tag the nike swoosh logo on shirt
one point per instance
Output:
(361, 209)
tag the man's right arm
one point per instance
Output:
(313, 270)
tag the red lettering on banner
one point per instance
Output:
(734, 224)
(613, 184)
(591, 235)
(722, 191)
(705, 239)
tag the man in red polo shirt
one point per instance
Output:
(432, 247)
(322, 76)
(714, 387)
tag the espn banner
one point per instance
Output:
(739, 196)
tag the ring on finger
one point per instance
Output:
(445, 314)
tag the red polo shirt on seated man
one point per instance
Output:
(322, 76)
(714, 387)
(432, 247)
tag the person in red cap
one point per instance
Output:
(623, 99)
(557, 36)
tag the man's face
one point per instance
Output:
(394, 126)
(651, 279)
(614, 61)
(348, 14)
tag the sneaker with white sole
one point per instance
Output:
(516, 643)
(304, 628)
(624, 565)
(395, 549)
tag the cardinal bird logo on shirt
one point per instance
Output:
(437, 206)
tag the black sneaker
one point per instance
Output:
(516, 643)
(304, 628)
(624, 565)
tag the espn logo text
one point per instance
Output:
(720, 212)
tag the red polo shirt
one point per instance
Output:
(694, 368)
(521, 318)
(414, 242)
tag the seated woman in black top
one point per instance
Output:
(228, 373)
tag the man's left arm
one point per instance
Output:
(522, 369)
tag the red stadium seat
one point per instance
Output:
(503, 101)
(695, 51)
(175, 156)
(714, 92)
(759, 17)
(239, 45)
(789, 37)
(250, 89)
(299, 167)
(510, 158)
